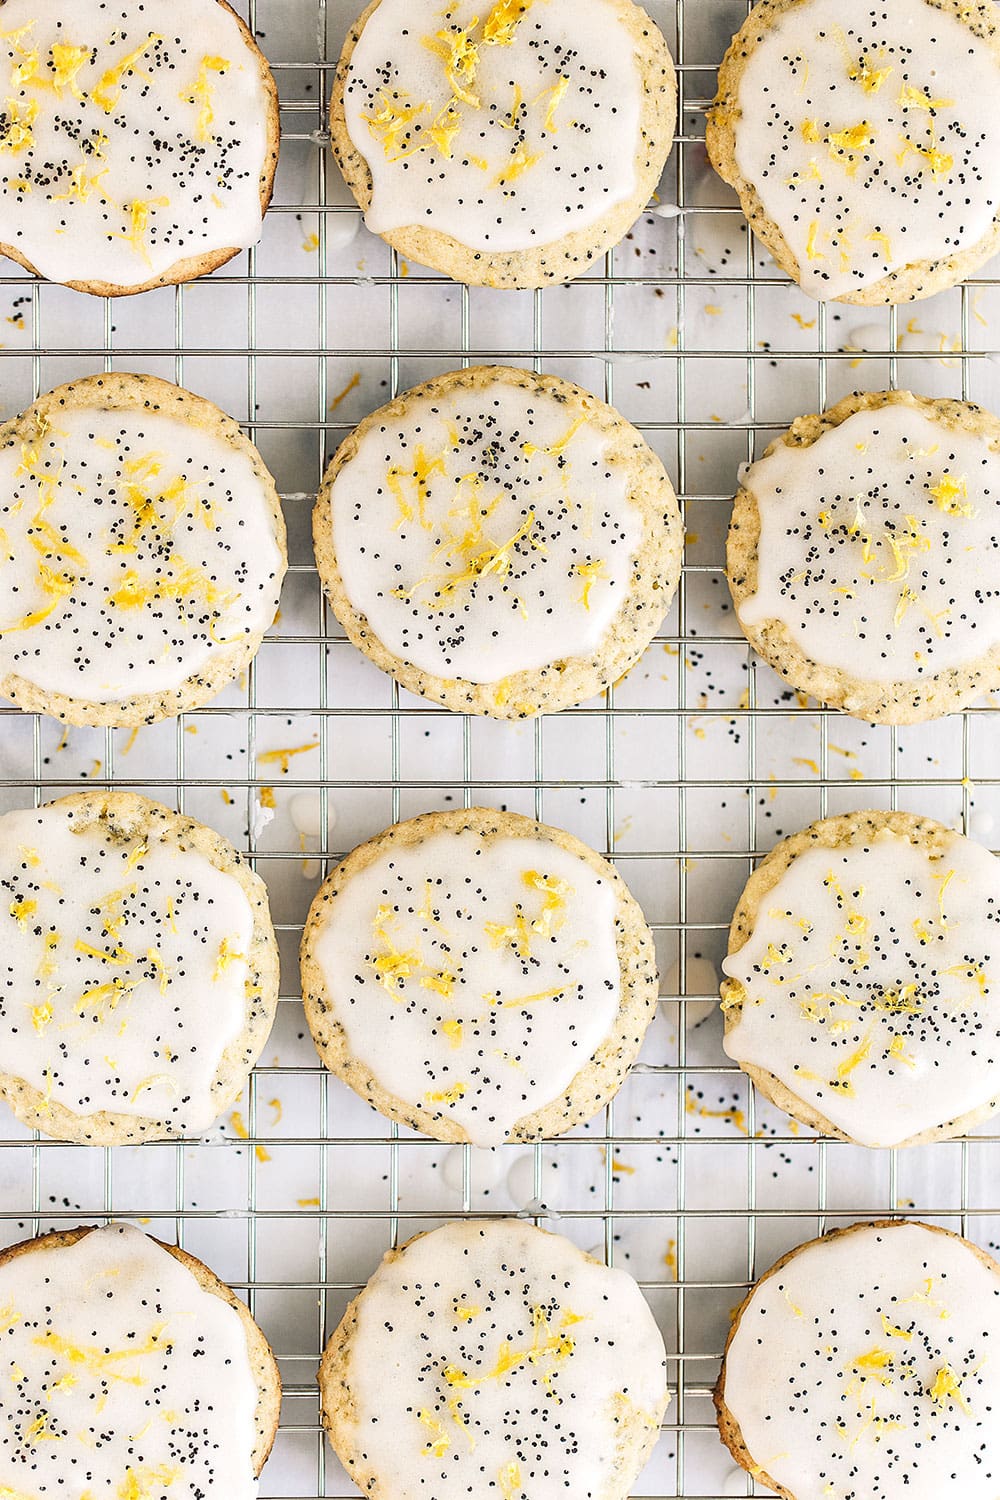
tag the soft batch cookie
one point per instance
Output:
(142, 550)
(140, 973)
(491, 1358)
(863, 974)
(138, 142)
(863, 142)
(499, 541)
(129, 1371)
(478, 976)
(860, 556)
(861, 1366)
(507, 144)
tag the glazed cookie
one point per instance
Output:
(508, 144)
(130, 1372)
(863, 971)
(140, 974)
(142, 551)
(516, 1365)
(861, 1367)
(864, 143)
(478, 976)
(860, 556)
(138, 143)
(500, 542)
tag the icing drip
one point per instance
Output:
(507, 125)
(864, 1369)
(112, 994)
(128, 140)
(870, 137)
(877, 545)
(135, 549)
(471, 975)
(492, 1358)
(485, 533)
(114, 1361)
(868, 985)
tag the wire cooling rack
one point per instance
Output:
(683, 773)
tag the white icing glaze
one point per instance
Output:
(473, 977)
(135, 549)
(866, 1369)
(485, 533)
(120, 1377)
(493, 1359)
(155, 118)
(871, 137)
(508, 126)
(878, 545)
(870, 985)
(124, 969)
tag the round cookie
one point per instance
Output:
(116, 1351)
(862, 979)
(478, 976)
(138, 144)
(498, 541)
(142, 551)
(140, 973)
(491, 1358)
(860, 1367)
(860, 556)
(863, 142)
(508, 144)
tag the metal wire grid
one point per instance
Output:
(302, 1465)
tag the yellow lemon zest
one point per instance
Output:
(446, 1096)
(948, 1388)
(589, 572)
(460, 56)
(439, 1441)
(202, 95)
(108, 89)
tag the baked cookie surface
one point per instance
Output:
(518, 1365)
(140, 974)
(863, 971)
(138, 142)
(863, 142)
(131, 1371)
(860, 556)
(499, 541)
(861, 1367)
(507, 144)
(142, 551)
(478, 976)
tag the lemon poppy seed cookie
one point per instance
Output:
(142, 551)
(139, 978)
(492, 1358)
(861, 556)
(130, 1371)
(862, 979)
(499, 541)
(507, 144)
(478, 976)
(138, 141)
(862, 1367)
(863, 142)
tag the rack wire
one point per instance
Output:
(683, 774)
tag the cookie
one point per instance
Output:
(142, 551)
(498, 541)
(491, 1358)
(130, 1371)
(860, 556)
(508, 144)
(138, 143)
(140, 974)
(478, 976)
(863, 970)
(863, 142)
(861, 1367)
